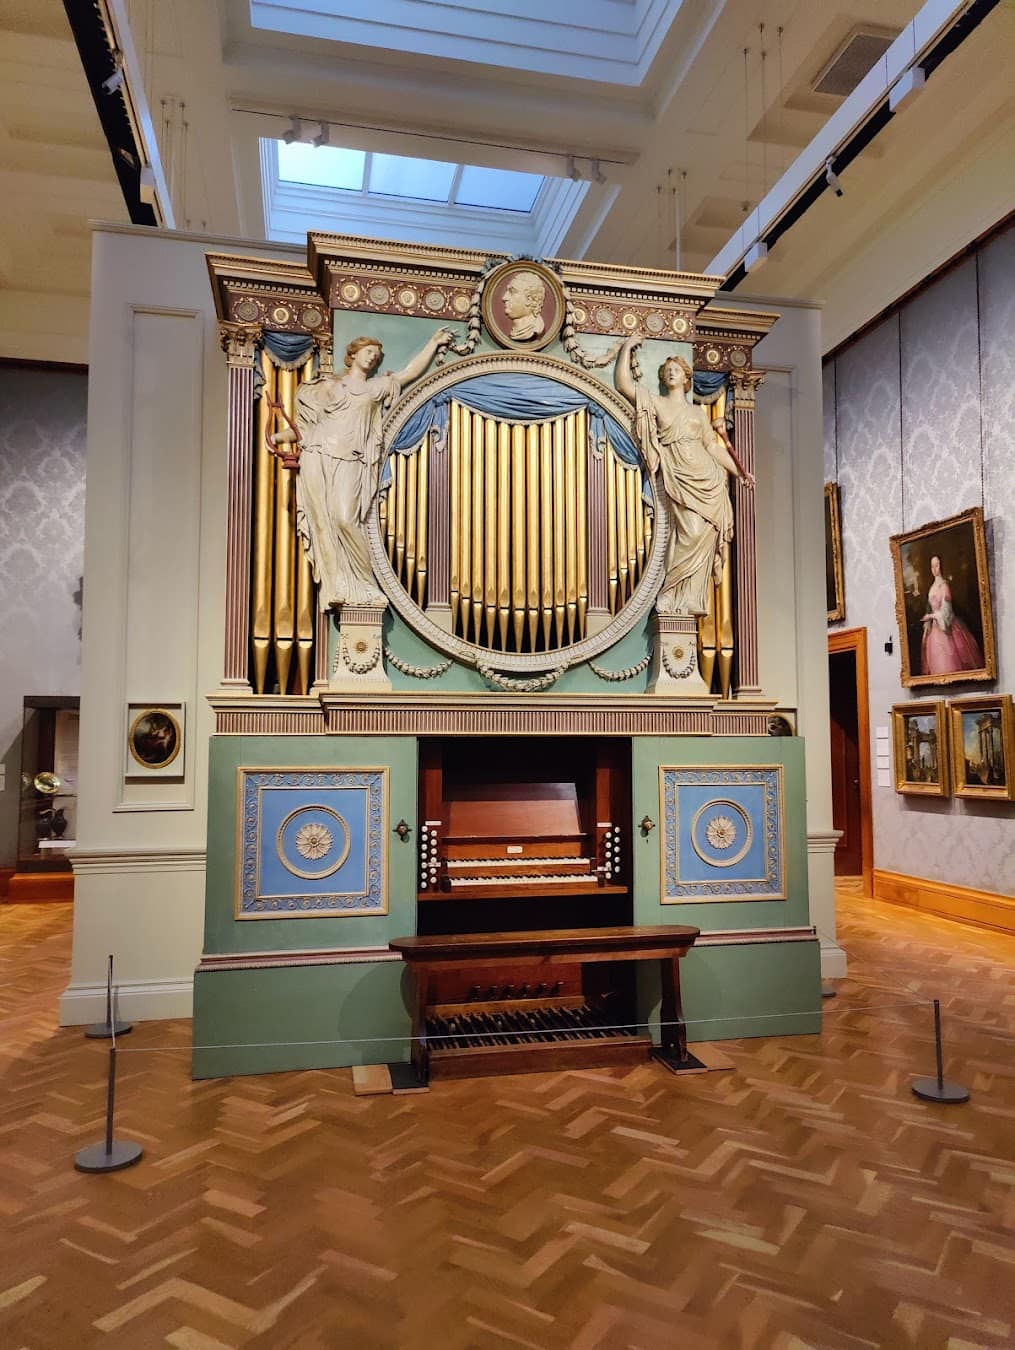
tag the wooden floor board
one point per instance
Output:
(804, 1199)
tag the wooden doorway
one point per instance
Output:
(850, 746)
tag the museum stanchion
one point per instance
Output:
(111, 1155)
(939, 1089)
(110, 1028)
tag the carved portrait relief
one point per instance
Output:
(523, 305)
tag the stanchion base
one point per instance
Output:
(930, 1090)
(101, 1031)
(94, 1158)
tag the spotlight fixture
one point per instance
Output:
(756, 257)
(293, 132)
(597, 172)
(832, 178)
(905, 89)
(115, 80)
(889, 646)
(571, 169)
(322, 136)
(146, 185)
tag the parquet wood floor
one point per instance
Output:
(805, 1199)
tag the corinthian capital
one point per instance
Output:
(745, 384)
(239, 342)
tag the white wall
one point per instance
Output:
(791, 597)
(155, 569)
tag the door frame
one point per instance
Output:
(855, 640)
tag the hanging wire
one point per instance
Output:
(783, 147)
(764, 114)
(746, 132)
(184, 139)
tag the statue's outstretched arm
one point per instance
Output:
(415, 367)
(623, 377)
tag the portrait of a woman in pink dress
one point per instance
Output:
(947, 645)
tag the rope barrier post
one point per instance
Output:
(938, 1089)
(102, 1031)
(112, 1155)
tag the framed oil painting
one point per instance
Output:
(943, 603)
(835, 586)
(154, 740)
(920, 742)
(983, 747)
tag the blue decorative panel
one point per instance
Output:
(722, 833)
(312, 843)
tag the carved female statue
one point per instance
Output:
(677, 437)
(339, 421)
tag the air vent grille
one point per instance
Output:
(852, 62)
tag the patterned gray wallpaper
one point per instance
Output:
(42, 522)
(919, 425)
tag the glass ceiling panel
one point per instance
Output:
(425, 179)
(502, 189)
(322, 166)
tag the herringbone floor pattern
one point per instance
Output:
(806, 1199)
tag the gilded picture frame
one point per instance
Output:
(835, 582)
(943, 602)
(983, 747)
(920, 746)
(154, 741)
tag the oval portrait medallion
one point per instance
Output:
(523, 305)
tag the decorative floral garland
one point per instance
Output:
(532, 686)
(363, 667)
(627, 674)
(416, 672)
(677, 674)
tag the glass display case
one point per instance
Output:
(49, 783)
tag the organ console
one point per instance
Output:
(525, 948)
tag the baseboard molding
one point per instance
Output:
(136, 1001)
(38, 888)
(985, 909)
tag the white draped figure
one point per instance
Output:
(678, 439)
(339, 422)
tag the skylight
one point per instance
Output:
(417, 180)
(432, 201)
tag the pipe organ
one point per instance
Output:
(490, 761)
(525, 545)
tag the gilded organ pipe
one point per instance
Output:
(263, 529)
(504, 532)
(455, 493)
(493, 504)
(465, 542)
(478, 487)
(410, 465)
(581, 518)
(612, 573)
(546, 530)
(305, 607)
(422, 519)
(518, 534)
(532, 504)
(571, 526)
(623, 565)
(559, 533)
(285, 551)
